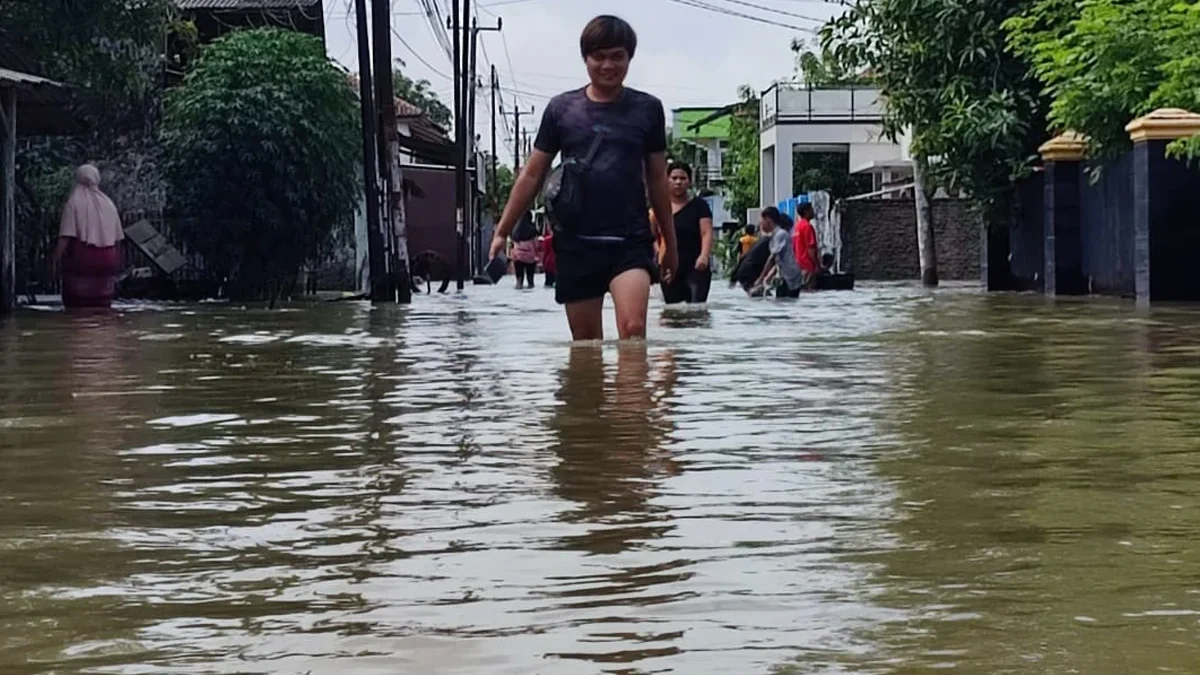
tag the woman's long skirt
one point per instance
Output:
(90, 275)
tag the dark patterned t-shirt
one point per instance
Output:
(634, 126)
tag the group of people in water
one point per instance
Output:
(612, 141)
(785, 260)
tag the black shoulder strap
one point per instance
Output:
(591, 153)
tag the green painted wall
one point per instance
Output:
(684, 117)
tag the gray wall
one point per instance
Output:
(1107, 228)
(879, 239)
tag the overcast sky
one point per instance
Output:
(687, 56)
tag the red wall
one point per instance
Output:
(431, 217)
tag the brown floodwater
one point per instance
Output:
(883, 481)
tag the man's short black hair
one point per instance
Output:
(771, 213)
(607, 32)
(807, 207)
(751, 229)
(680, 166)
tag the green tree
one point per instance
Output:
(1105, 62)
(110, 48)
(263, 150)
(1181, 86)
(420, 93)
(975, 114)
(829, 171)
(679, 150)
(742, 156)
(498, 188)
(818, 68)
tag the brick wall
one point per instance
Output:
(879, 239)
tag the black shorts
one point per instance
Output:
(585, 271)
(689, 285)
(785, 291)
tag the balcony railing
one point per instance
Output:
(796, 103)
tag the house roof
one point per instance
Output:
(426, 138)
(405, 109)
(236, 5)
(43, 105)
(19, 79)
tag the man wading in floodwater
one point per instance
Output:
(613, 142)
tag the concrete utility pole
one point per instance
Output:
(471, 87)
(516, 113)
(457, 18)
(399, 281)
(375, 246)
(494, 182)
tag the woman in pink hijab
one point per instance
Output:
(87, 243)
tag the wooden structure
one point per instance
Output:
(215, 18)
(155, 246)
(29, 106)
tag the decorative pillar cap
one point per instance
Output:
(1164, 124)
(1068, 146)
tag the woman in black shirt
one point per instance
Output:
(693, 237)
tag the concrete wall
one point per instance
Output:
(879, 240)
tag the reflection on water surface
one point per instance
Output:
(883, 481)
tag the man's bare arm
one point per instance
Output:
(524, 191)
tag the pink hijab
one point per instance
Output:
(90, 216)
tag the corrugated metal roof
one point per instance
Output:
(43, 105)
(25, 79)
(243, 4)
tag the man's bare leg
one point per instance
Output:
(586, 319)
(631, 295)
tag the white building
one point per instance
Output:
(799, 118)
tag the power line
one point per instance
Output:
(436, 22)
(483, 7)
(698, 4)
(522, 92)
(772, 10)
(512, 76)
(414, 52)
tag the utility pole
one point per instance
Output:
(460, 135)
(494, 182)
(471, 82)
(516, 113)
(399, 282)
(375, 253)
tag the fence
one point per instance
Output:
(1127, 227)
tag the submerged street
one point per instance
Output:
(883, 481)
